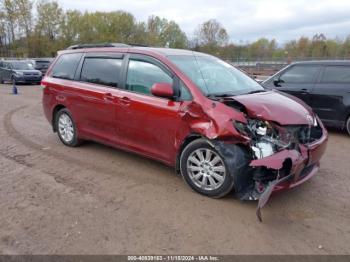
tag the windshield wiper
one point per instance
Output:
(216, 95)
(220, 95)
(255, 91)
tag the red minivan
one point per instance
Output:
(219, 128)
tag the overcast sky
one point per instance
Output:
(244, 20)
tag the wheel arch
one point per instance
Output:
(54, 112)
(347, 113)
(346, 121)
(236, 159)
(190, 138)
(194, 136)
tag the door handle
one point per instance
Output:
(124, 100)
(108, 97)
(304, 91)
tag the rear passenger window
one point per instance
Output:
(142, 75)
(103, 71)
(336, 74)
(300, 74)
(66, 66)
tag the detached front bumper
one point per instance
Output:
(304, 165)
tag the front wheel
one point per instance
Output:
(66, 128)
(205, 170)
(348, 125)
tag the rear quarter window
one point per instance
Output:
(66, 66)
(336, 74)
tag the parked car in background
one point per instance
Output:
(323, 85)
(19, 71)
(218, 127)
(42, 64)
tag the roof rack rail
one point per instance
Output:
(80, 46)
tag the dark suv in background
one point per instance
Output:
(19, 71)
(41, 64)
(323, 85)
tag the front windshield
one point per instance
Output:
(22, 66)
(214, 76)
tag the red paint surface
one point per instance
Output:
(162, 90)
(276, 107)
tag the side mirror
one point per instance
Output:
(276, 81)
(163, 90)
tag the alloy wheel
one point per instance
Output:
(206, 169)
(66, 128)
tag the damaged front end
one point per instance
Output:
(270, 142)
(282, 157)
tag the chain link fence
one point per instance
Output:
(262, 68)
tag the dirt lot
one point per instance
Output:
(99, 200)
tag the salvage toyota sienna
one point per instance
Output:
(219, 128)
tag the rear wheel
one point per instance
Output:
(66, 128)
(1, 80)
(348, 125)
(205, 170)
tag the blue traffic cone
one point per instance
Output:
(14, 88)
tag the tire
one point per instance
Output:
(1, 80)
(348, 125)
(66, 128)
(194, 172)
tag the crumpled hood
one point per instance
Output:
(278, 107)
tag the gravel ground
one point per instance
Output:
(99, 200)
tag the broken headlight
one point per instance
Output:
(241, 127)
(266, 138)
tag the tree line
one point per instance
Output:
(39, 29)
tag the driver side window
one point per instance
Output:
(142, 75)
(300, 74)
